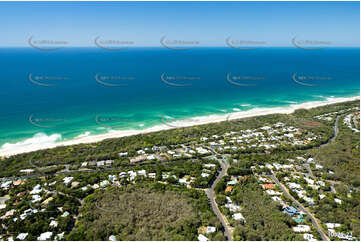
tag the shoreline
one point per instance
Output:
(13, 149)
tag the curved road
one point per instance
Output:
(335, 132)
(211, 196)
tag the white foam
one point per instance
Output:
(86, 134)
(34, 143)
(41, 141)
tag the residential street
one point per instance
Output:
(301, 207)
(211, 196)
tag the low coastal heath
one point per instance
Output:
(43, 141)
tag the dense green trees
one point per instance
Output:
(146, 211)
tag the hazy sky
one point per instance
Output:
(209, 23)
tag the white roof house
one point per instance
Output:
(37, 189)
(204, 175)
(302, 228)
(22, 236)
(112, 238)
(142, 173)
(238, 216)
(209, 165)
(202, 238)
(152, 175)
(53, 223)
(309, 237)
(67, 179)
(332, 225)
(122, 154)
(201, 150)
(104, 183)
(45, 236)
(210, 229)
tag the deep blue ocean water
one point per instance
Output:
(76, 90)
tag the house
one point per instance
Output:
(27, 171)
(238, 216)
(204, 175)
(204, 139)
(209, 165)
(291, 211)
(122, 174)
(8, 214)
(22, 236)
(140, 152)
(276, 199)
(301, 228)
(108, 162)
(201, 150)
(45, 236)
(152, 175)
(27, 213)
(338, 201)
(309, 200)
(84, 164)
(210, 229)
(233, 207)
(293, 185)
(309, 237)
(36, 198)
(18, 182)
(272, 192)
(67, 179)
(332, 225)
(123, 154)
(268, 186)
(104, 183)
(112, 238)
(59, 236)
(138, 159)
(37, 189)
(112, 178)
(53, 223)
(298, 219)
(184, 181)
(132, 175)
(202, 238)
(228, 189)
(65, 214)
(142, 173)
(310, 160)
(309, 181)
(151, 157)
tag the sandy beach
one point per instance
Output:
(45, 142)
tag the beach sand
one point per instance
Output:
(26, 146)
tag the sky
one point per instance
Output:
(200, 23)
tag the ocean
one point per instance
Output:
(58, 95)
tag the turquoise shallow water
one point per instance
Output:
(76, 90)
